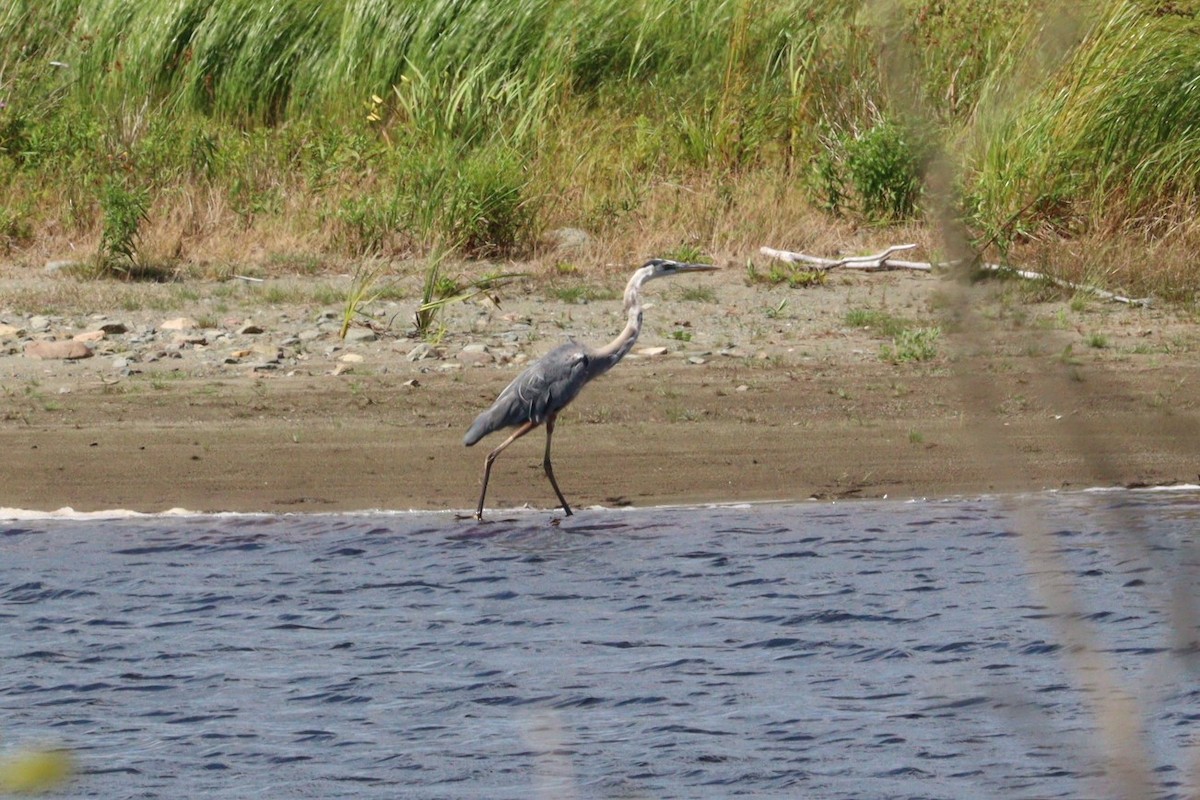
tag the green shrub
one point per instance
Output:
(486, 211)
(15, 229)
(912, 344)
(125, 209)
(877, 172)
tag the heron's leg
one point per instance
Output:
(550, 467)
(487, 464)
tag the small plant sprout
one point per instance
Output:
(440, 290)
(776, 312)
(912, 344)
(698, 294)
(795, 278)
(361, 293)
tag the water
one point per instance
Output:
(843, 650)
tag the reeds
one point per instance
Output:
(406, 125)
(1110, 139)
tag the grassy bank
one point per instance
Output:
(217, 135)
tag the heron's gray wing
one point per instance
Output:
(543, 388)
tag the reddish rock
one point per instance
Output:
(58, 350)
(178, 324)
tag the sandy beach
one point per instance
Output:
(239, 396)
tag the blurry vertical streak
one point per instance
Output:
(553, 775)
(1119, 716)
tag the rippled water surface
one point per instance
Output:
(824, 651)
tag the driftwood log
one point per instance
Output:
(884, 261)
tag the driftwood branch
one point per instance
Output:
(880, 261)
(884, 261)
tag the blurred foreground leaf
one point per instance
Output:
(33, 771)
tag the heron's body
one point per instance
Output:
(547, 386)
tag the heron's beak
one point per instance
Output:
(696, 268)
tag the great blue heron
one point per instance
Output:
(547, 385)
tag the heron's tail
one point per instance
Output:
(480, 428)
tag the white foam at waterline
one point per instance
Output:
(66, 512)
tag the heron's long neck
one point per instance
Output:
(607, 356)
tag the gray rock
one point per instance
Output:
(568, 238)
(360, 335)
(474, 358)
(39, 323)
(64, 265)
(421, 351)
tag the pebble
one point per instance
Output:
(39, 323)
(652, 351)
(88, 336)
(351, 358)
(268, 352)
(250, 330)
(696, 360)
(421, 351)
(10, 331)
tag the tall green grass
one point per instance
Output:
(398, 126)
(1111, 138)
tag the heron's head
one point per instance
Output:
(664, 267)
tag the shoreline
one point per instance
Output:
(68, 514)
(720, 402)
